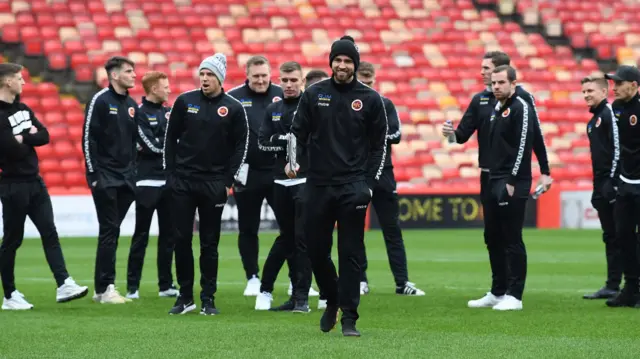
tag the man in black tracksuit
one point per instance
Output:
(23, 192)
(289, 198)
(344, 124)
(109, 147)
(477, 118)
(626, 109)
(604, 143)
(205, 145)
(151, 194)
(255, 95)
(385, 200)
(510, 142)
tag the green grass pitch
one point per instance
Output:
(450, 265)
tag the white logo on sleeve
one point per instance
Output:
(20, 121)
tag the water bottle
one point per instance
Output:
(540, 189)
(451, 138)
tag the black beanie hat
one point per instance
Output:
(345, 46)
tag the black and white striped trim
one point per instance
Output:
(523, 136)
(87, 125)
(147, 142)
(246, 141)
(616, 142)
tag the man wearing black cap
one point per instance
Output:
(344, 125)
(626, 109)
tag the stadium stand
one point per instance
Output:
(428, 52)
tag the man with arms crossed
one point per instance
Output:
(23, 193)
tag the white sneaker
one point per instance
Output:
(253, 287)
(171, 292)
(509, 303)
(70, 290)
(312, 292)
(364, 288)
(322, 304)
(134, 295)
(16, 302)
(488, 301)
(263, 301)
(112, 296)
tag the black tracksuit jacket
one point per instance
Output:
(394, 133)
(511, 139)
(255, 105)
(152, 125)
(627, 114)
(476, 117)
(273, 136)
(206, 138)
(109, 139)
(345, 127)
(19, 161)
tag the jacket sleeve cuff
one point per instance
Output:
(544, 169)
(512, 180)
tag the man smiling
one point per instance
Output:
(344, 126)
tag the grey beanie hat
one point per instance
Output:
(216, 64)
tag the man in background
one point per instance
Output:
(255, 179)
(385, 200)
(109, 139)
(604, 143)
(151, 194)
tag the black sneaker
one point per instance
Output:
(208, 308)
(301, 306)
(182, 306)
(286, 307)
(602, 293)
(329, 318)
(626, 298)
(409, 289)
(349, 329)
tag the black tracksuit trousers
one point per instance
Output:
(504, 219)
(385, 203)
(112, 205)
(606, 214)
(209, 198)
(290, 202)
(347, 204)
(627, 210)
(19, 200)
(249, 201)
(149, 200)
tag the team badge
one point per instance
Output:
(167, 115)
(633, 120)
(356, 105)
(506, 112)
(598, 122)
(276, 99)
(223, 111)
(132, 111)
